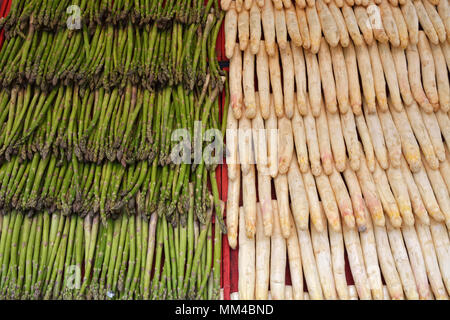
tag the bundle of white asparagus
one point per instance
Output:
(349, 120)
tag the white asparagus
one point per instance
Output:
(263, 76)
(298, 129)
(390, 75)
(277, 258)
(412, 21)
(285, 145)
(342, 198)
(431, 262)
(262, 258)
(353, 293)
(344, 37)
(255, 28)
(444, 123)
(417, 262)
(239, 5)
(312, 142)
(265, 198)
(303, 26)
(363, 22)
(245, 145)
(369, 249)
(249, 201)
(313, 201)
(401, 69)
(428, 70)
(329, 202)
(414, 194)
(434, 132)
(278, 4)
(353, 79)
(280, 28)
(377, 137)
(391, 137)
(322, 254)
(386, 295)
(324, 142)
(268, 23)
(292, 26)
(352, 25)
(443, 86)
(282, 192)
(230, 26)
(295, 263)
(243, 29)
(378, 77)
(248, 4)
(337, 141)
(402, 28)
(425, 22)
(436, 21)
(445, 171)
(374, 13)
(236, 94)
(259, 139)
(234, 192)
(367, 79)
(338, 263)
(421, 134)
(326, 76)
(351, 139)
(271, 125)
(402, 262)
(248, 82)
(329, 27)
(288, 293)
(358, 203)
(444, 12)
(299, 199)
(442, 245)
(315, 30)
(288, 80)
(389, 23)
(246, 261)
(314, 83)
(225, 4)
(341, 78)
(232, 146)
(275, 80)
(300, 79)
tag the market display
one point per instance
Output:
(338, 140)
(93, 204)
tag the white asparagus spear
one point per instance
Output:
(239, 5)
(436, 21)
(248, 4)
(412, 56)
(401, 69)
(363, 22)
(442, 245)
(444, 123)
(248, 82)
(246, 261)
(277, 258)
(288, 80)
(313, 144)
(341, 78)
(377, 137)
(271, 125)
(411, 149)
(386, 196)
(249, 201)
(245, 147)
(275, 80)
(329, 201)
(417, 262)
(288, 294)
(280, 28)
(300, 79)
(387, 264)
(262, 258)
(434, 133)
(363, 132)
(442, 81)
(445, 170)
(295, 263)
(428, 197)
(369, 249)
(243, 29)
(232, 146)
(386, 295)
(390, 75)
(285, 145)
(278, 4)
(313, 201)
(314, 83)
(428, 70)
(268, 23)
(259, 139)
(315, 30)
(322, 254)
(324, 142)
(374, 13)
(352, 25)
(425, 22)
(265, 198)
(303, 26)
(414, 193)
(329, 27)
(431, 262)
(300, 3)
(358, 203)
(292, 26)
(402, 262)
(235, 296)
(378, 77)
(421, 134)
(263, 76)
(282, 192)
(225, 4)
(351, 139)
(326, 76)
(353, 294)
(230, 25)
(392, 138)
(412, 21)
(299, 199)
(337, 141)
(444, 12)
(367, 80)
(255, 28)
(369, 191)
(401, 26)
(236, 94)
(234, 192)
(338, 263)
(342, 198)
(356, 261)
(298, 129)
(344, 37)
(389, 23)
(309, 266)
